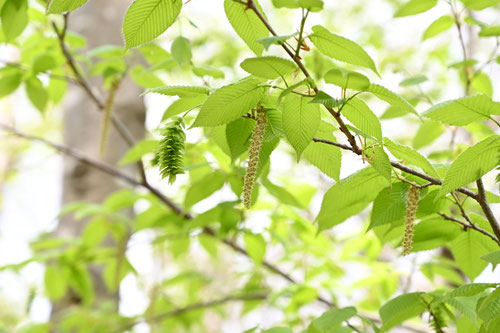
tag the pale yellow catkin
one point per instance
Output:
(411, 212)
(253, 156)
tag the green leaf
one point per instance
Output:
(428, 132)
(80, 281)
(472, 164)
(379, 160)
(113, 275)
(391, 98)
(265, 154)
(275, 125)
(414, 7)
(440, 25)
(333, 318)
(147, 19)
(340, 48)
(255, 244)
(238, 135)
(281, 194)
(433, 233)
(61, 6)
(389, 205)
(43, 63)
(94, 232)
(181, 50)
(347, 79)
(325, 157)
(413, 81)
(301, 121)
(14, 18)
(480, 4)
(471, 289)
(481, 83)
(202, 71)
(10, 79)
(308, 82)
(181, 91)
(468, 248)
(411, 157)
(493, 258)
(277, 40)
(401, 308)
(312, 5)
(349, 196)
(140, 149)
(55, 283)
(246, 24)
(360, 115)
(229, 103)
(204, 188)
(278, 330)
(489, 311)
(57, 88)
(183, 104)
(463, 111)
(268, 67)
(325, 99)
(37, 93)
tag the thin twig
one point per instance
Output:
(470, 226)
(464, 48)
(192, 307)
(406, 169)
(404, 180)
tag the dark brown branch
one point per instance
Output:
(336, 144)
(71, 63)
(99, 165)
(192, 307)
(470, 226)
(483, 202)
(402, 167)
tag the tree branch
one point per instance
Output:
(483, 202)
(470, 226)
(192, 307)
(402, 167)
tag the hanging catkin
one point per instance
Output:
(170, 152)
(253, 156)
(411, 211)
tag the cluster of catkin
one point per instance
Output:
(411, 212)
(253, 156)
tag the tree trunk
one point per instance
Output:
(100, 22)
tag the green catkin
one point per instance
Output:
(411, 211)
(170, 152)
(253, 156)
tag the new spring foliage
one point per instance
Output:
(253, 156)
(170, 152)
